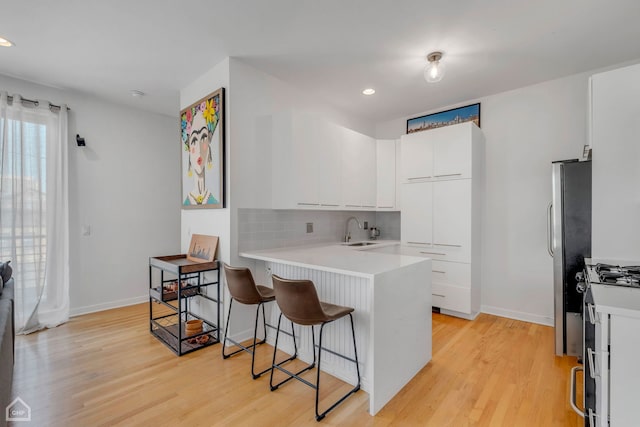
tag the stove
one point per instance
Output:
(612, 274)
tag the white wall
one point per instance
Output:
(214, 222)
(526, 129)
(123, 185)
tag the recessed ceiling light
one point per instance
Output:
(368, 91)
(137, 93)
(5, 43)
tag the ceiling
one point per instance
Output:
(332, 49)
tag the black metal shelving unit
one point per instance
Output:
(169, 310)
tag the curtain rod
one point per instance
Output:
(36, 103)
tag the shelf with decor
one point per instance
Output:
(175, 282)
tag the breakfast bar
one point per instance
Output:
(391, 295)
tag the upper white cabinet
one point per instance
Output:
(386, 174)
(441, 153)
(306, 160)
(417, 157)
(452, 152)
(328, 163)
(358, 170)
(317, 164)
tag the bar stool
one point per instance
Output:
(244, 290)
(299, 302)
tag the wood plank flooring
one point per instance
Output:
(106, 369)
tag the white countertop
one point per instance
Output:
(338, 258)
(617, 300)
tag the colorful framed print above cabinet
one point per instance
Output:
(202, 140)
(469, 113)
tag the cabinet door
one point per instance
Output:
(452, 152)
(417, 156)
(416, 224)
(367, 172)
(452, 219)
(305, 162)
(351, 147)
(358, 170)
(329, 169)
(624, 370)
(386, 171)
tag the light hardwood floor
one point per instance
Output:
(106, 369)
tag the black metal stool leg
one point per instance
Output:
(226, 329)
(320, 416)
(251, 348)
(253, 352)
(290, 375)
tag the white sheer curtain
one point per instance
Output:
(34, 210)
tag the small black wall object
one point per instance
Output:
(80, 141)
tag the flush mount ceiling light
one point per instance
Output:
(137, 93)
(434, 71)
(368, 91)
(5, 43)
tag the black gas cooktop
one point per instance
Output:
(625, 275)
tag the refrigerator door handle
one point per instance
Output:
(550, 229)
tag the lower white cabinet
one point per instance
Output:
(448, 297)
(624, 371)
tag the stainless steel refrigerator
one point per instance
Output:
(569, 243)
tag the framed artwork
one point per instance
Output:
(202, 248)
(470, 113)
(202, 147)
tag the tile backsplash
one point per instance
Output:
(268, 228)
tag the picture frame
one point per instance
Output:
(202, 142)
(202, 248)
(445, 118)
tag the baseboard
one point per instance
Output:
(78, 311)
(517, 315)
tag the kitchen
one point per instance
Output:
(526, 127)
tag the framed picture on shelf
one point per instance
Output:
(202, 147)
(470, 113)
(202, 248)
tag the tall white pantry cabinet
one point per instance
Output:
(441, 173)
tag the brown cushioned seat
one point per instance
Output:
(243, 289)
(298, 301)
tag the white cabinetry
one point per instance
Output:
(386, 182)
(416, 226)
(452, 219)
(320, 165)
(441, 194)
(615, 129)
(358, 170)
(306, 160)
(615, 358)
(417, 157)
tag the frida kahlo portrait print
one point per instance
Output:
(202, 142)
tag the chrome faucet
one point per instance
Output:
(347, 235)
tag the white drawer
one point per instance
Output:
(451, 273)
(451, 297)
(444, 253)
